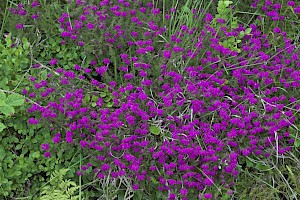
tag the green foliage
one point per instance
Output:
(13, 62)
(8, 103)
(154, 130)
(225, 12)
(67, 54)
(59, 189)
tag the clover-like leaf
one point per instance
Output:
(154, 130)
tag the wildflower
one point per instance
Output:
(81, 43)
(53, 61)
(291, 3)
(34, 4)
(19, 26)
(135, 186)
(47, 154)
(297, 10)
(208, 196)
(183, 191)
(106, 61)
(128, 76)
(45, 146)
(32, 120)
(90, 25)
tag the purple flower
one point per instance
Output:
(90, 25)
(208, 196)
(183, 191)
(77, 67)
(105, 167)
(34, 4)
(47, 154)
(81, 43)
(32, 120)
(45, 146)
(128, 76)
(87, 70)
(106, 61)
(291, 3)
(53, 61)
(135, 186)
(56, 138)
(297, 10)
(19, 26)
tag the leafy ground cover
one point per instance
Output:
(149, 99)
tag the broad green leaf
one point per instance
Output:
(19, 146)
(44, 75)
(15, 100)
(2, 103)
(109, 104)
(297, 143)
(2, 96)
(86, 98)
(249, 163)
(248, 30)
(95, 98)
(16, 173)
(2, 154)
(154, 130)
(36, 154)
(102, 94)
(2, 127)
(7, 110)
(106, 99)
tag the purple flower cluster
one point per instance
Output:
(219, 107)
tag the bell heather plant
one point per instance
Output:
(172, 106)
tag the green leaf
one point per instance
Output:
(2, 127)
(25, 43)
(2, 96)
(19, 146)
(86, 98)
(8, 40)
(2, 154)
(109, 104)
(35, 154)
(7, 110)
(297, 143)
(95, 98)
(154, 180)
(106, 99)
(249, 163)
(262, 167)
(102, 94)
(227, 3)
(2, 103)
(154, 130)
(248, 30)
(15, 100)
(44, 75)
